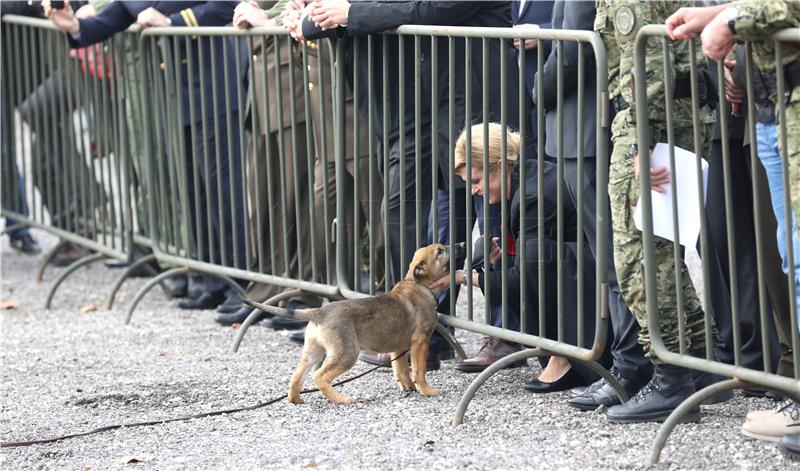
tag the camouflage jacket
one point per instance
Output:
(759, 18)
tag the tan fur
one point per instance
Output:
(393, 322)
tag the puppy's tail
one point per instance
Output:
(299, 314)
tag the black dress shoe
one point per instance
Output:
(570, 380)
(232, 303)
(703, 380)
(282, 323)
(668, 388)
(298, 337)
(600, 393)
(205, 301)
(238, 316)
(176, 286)
(25, 244)
(141, 272)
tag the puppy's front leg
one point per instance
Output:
(400, 370)
(419, 355)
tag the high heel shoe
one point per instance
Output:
(569, 380)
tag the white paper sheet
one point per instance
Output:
(685, 177)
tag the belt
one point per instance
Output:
(682, 89)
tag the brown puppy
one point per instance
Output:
(392, 323)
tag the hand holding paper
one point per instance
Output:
(688, 196)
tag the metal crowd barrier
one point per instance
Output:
(66, 162)
(229, 204)
(741, 375)
(427, 96)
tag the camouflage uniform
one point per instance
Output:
(755, 20)
(618, 22)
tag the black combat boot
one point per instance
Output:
(668, 388)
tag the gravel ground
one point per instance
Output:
(65, 371)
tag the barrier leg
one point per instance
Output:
(149, 285)
(514, 358)
(142, 262)
(70, 269)
(48, 257)
(485, 375)
(254, 314)
(229, 282)
(686, 406)
(445, 333)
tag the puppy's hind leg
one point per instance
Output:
(335, 364)
(401, 373)
(312, 353)
(419, 355)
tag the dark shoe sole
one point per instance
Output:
(692, 417)
(478, 369)
(590, 407)
(791, 453)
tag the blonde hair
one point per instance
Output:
(495, 146)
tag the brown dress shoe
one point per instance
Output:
(492, 350)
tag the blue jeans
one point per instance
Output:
(21, 207)
(767, 139)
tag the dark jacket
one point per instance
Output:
(765, 84)
(538, 12)
(578, 15)
(529, 237)
(117, 16)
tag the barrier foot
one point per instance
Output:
(486, 374)
(70, 269)
(142, 262)
(686, 406)
(149, 285)
(229, 282)
(254, 314)
(48, 257)
(445, 333)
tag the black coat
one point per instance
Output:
(577, 15)
(118, 15)
(528, 234)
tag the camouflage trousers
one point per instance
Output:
(673, 300)
(792, 150)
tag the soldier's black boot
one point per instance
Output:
(668, 388)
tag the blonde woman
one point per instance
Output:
(559, 373)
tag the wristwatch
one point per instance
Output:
(730, 16)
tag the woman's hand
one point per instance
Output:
(460, 278)
(495, 251)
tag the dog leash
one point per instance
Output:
(189, 417)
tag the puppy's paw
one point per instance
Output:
(429, 391)
(344, 401)
(406, 386)
(296, 400)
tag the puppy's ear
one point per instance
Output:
(420, 270)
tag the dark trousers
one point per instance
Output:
(399, 210)
(744, 258)
(216, 209)
(67, 186)
(627, 353)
